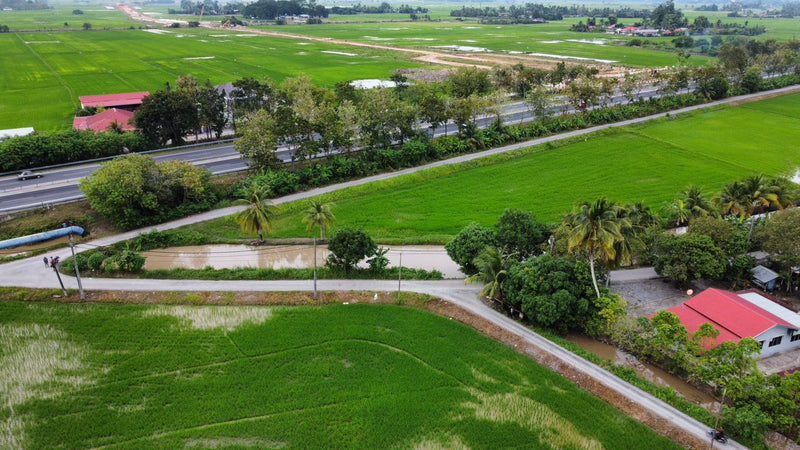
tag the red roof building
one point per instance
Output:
(128, 100)
(102, 121)
(741, 315)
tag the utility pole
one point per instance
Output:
(716, 422)
(315, 268)
(75, 264)
(400, 273)
(54, 265)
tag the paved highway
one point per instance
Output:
(61, 185)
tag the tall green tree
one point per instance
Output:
(383, 118)
(539, 100)
(596, 229)
(734, 199)
(584, 91)
(258, 144)
(761, 194)
(778, 236)
(711, 81)
(167, 116)
(318, 214)
(467, 244)
(678, 212)
(257, 217)
(433, 109)
(519, 232)
(556, 293)
(689, 257)
(467, 81)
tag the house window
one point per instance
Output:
(796, 337)
(762, 344)
(775, 341)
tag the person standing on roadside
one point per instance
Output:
(46, 263)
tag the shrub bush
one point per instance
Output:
(95, 261)
(348, 247)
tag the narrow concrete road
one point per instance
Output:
(633, 275)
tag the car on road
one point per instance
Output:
(28, 174)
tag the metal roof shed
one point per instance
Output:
(764, 277)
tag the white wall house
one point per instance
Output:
(741, 315)
(780, 337)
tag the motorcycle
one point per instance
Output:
(718, 436)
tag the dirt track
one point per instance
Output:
(482, 61)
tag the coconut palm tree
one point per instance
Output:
(258, 214)
(493, 265)
(641, 216)
(761, 193)
(734, 200)
(632, 219)
(596, 228)
(679, 213)
(318, 214)
(785, 190)
(696, 203)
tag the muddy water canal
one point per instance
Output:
(426, 257)
(649, 372)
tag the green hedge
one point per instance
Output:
(44, 149)
(323, 273)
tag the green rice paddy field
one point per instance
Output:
(340, 376)
(650, 162)
(553, 38)
(43, 74)
(782, 29)
(53, 19)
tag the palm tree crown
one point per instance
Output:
(493, 265)
(258, 214)
(318, 214)
(762, 194)
(695, 202)
(734, 200)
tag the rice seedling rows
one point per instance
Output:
(365, 376)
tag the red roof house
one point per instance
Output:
(126, 100)
(741, 315)
(103, 120)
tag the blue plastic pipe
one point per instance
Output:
(41, 237)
